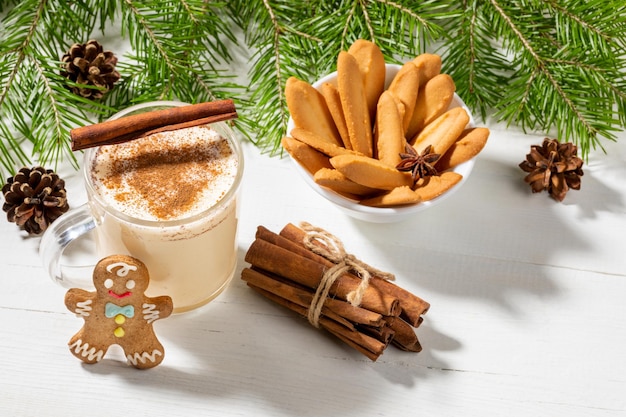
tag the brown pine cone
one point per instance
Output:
(554, 167)
(89, 65)
(34, 198)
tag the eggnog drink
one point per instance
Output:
(170, 200)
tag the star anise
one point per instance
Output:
(420, 165)
(553, 167)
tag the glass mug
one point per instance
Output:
(192, 258)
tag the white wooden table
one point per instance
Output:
(528, 311)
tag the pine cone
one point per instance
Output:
(34, 198)
(89, 65)
(553, 167)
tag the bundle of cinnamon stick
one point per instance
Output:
(284, 270)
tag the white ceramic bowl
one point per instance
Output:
(382, 214)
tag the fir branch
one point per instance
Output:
(279, 52)
(562, 67)
(176, 51)
(26, 93)
(550, 66)
(473, 61)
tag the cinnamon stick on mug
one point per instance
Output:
(135, 126)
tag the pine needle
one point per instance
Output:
(561, 72)
(557, 66)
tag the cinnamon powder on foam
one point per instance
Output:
(168, 182)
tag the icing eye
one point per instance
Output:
(108, 283)
(130, 284)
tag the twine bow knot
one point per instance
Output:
(332, 249)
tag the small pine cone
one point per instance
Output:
(34, 198)
(554, 167)
(88, 64)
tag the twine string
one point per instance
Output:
(332, 249)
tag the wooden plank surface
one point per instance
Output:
(528, 314)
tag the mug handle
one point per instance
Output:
(55, 240)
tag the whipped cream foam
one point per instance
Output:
(166, 176)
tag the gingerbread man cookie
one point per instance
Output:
(119, 313)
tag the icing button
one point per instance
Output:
(119, 332)
(120, 319)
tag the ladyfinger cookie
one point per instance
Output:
(309, 111)
(433, 100)
(429, 65)
(405, 87)
(333, 101)
(372, 66)
(442, 132)
(389, 131)
(430, 187)
(469, 144)
(354, 103)
(425, 189)
(336, 181)
(309, 158)
(399, 196)
(317, 142)
(370, 172)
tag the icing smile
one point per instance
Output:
(114, 294)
